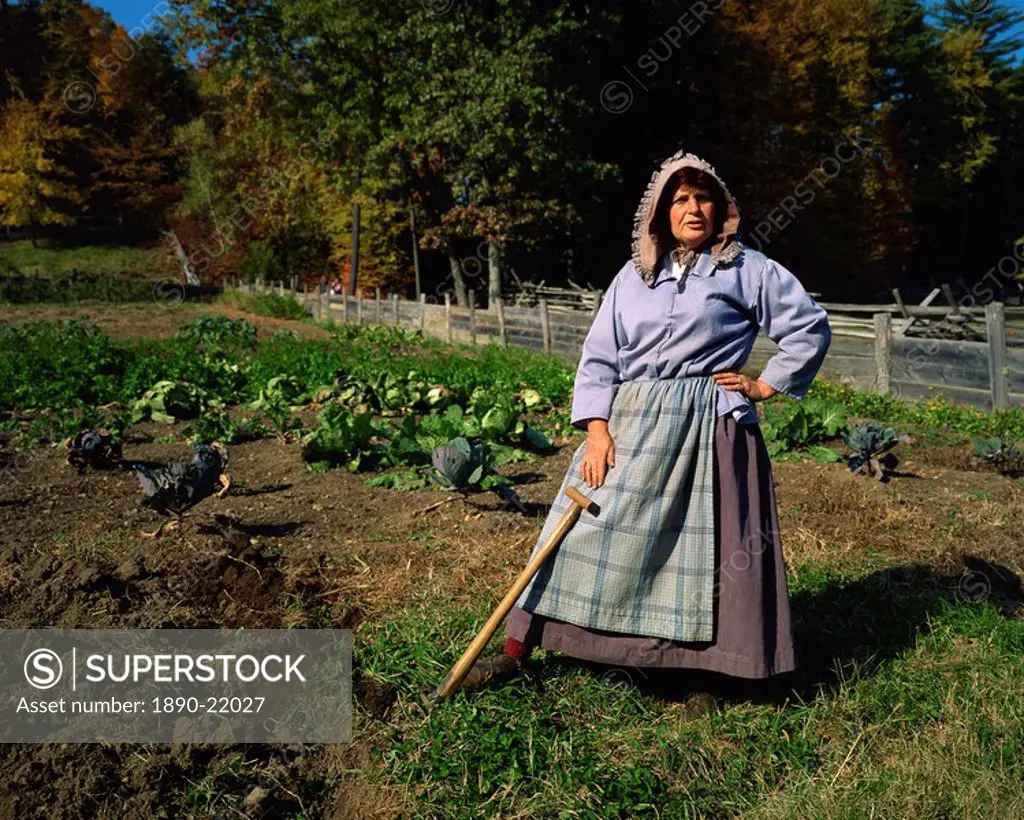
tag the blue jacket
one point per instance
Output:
(701, 323)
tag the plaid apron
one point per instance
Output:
(645, 565)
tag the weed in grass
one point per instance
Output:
(429, 542)
(274, 305)
(97, 548)
(955, 524)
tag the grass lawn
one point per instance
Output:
(55, 262)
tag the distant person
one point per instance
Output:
(336, 287)
(322, 287)
(682, 568)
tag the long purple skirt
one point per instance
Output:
(753, 634)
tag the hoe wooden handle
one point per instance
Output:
(465, 663)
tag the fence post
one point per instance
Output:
(598, 296)
(995, 325)
(377, 298)
(472, 316)
(280, 288)
(325, 305)
(448, 315)
(394, 309)
(295, 283)
(499, 305)
(259, 284)
(423, 311)
(883, 353)
(545, 325)
(359, 306)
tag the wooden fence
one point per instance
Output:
(865, 351)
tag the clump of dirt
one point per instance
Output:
(241, 585)
(375, 696)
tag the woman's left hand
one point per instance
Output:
(753, 389)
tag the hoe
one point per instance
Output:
(579, 503)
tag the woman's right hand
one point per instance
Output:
(598, 457)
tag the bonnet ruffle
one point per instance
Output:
(649, 248)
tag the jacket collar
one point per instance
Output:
(704, 266)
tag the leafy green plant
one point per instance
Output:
(436, 429)
(792, 429)
(220, 330)
(343, 439)
(871, 443)
(62, 424)
(392, 393)
(276, 409)
(168, 401)
(60, 364)
(280, 390)
(533, 400)
(933, 413)
(400, 480)
(276, 305)
(219, 426)
(1005, 456)
(218, 372)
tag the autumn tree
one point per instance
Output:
(109, 101)
(36, 189)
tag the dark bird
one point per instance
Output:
(93, 448)
(179, 486)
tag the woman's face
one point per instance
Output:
(692, 215)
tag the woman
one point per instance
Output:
(683, 565)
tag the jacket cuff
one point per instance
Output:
(782, 383)
(592, 402)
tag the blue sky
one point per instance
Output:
(133, 13)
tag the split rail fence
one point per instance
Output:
(870, 347)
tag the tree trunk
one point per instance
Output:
(354, 275)
(415, 248)
(495, 264)
(182, 258)
(461, 297)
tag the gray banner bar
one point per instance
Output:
(175, 686)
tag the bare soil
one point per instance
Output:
(133, 321)
(317, 551)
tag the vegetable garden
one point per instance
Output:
(388, 483)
